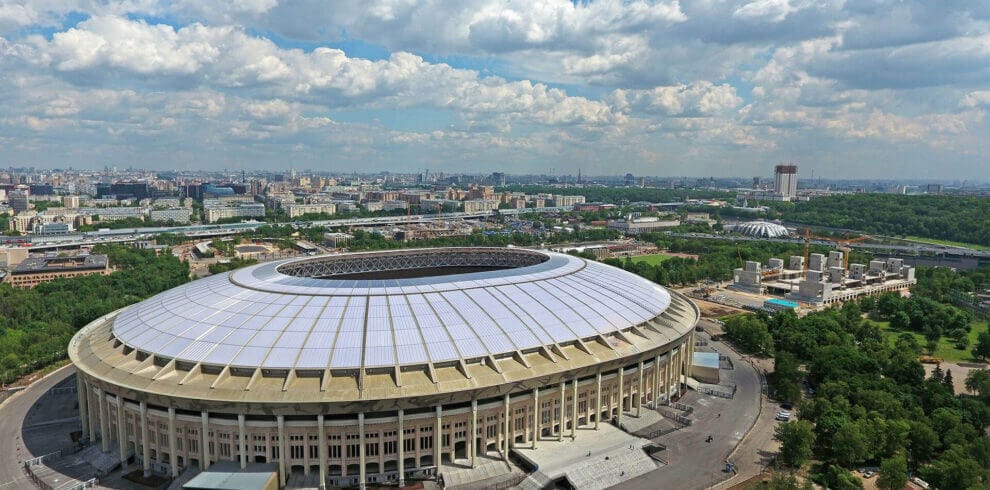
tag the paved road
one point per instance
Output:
(695, 463)
(12, 415)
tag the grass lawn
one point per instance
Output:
(654, 259)
(946, 347)
(946, 243)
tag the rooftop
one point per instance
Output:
(424, 306)
(48, 264)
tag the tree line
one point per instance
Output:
(955, 218)
(37, 324)
(872, 403)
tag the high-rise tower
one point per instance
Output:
(785, 182)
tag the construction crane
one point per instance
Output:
(842, 245)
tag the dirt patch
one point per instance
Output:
(959, 372)
(715, 310)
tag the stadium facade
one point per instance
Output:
(374, 367)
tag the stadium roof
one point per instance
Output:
(763, 229)
(313, 314)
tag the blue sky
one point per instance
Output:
(845, 89)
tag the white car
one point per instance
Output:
(783, 416)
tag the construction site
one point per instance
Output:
(822, 280)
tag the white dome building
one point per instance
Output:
(371, 367)
(761, 229)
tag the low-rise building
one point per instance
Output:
(177, 215)
(216, 210)
(642, 225)
(296, 210)
(480, 205)
(36, 270)
(565, 201)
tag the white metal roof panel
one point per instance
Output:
(259, 316)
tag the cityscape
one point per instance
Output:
(471, 245)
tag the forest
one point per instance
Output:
(872, 404)
(36, 324)
(955, 218)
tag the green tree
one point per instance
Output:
(982, 348)
(780, 480)
(750, 334)
(893, 472)
(796, 439)
(787, 377)
(978, 381)
(900, 321)
(849, 445)
(922, 441)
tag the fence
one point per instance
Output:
(512, 482)
(62, 390)
(40, 461)
(659, 433)
(682, 407)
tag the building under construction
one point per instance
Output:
(823, 280)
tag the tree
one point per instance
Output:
(900, 321)
(849, 445)
(787, 377)
(893, 472)
(796, 439)
(780, 480)
(947, 381)
(922, 441)
(937, 374)
(978, 381)
(982, 348)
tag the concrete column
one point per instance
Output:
(322, 450)
(93, 410)
(574, 409)
(361, 455)
(622, 406)
(690, 358)
(243, 439)
(563, 410)
(656, 381)
(204, 452)
(639, 391)
(121, 432)
(104, 422)
(598, 398)
(438, 438)
(402, 449)
(282, 454)
(669, 373)
(173, 456)
(145, 444)
(83, 408)
(506, 417)
(474, 431)
(536, 416)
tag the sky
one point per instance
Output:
(843, 89)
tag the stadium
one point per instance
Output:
(367, 368)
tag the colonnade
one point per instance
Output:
(425, 439)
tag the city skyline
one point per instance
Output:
(695, 89)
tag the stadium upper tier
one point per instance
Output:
(410, 308)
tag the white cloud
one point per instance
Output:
(533, 83)
(697, 99)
